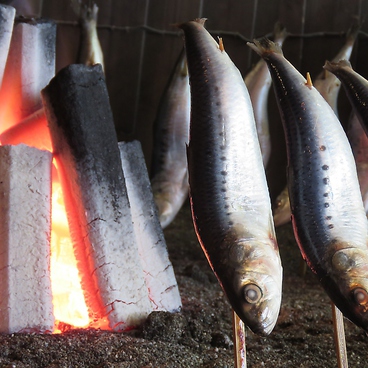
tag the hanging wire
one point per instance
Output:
(162, 32)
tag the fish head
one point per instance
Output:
(349, 291)
(255, 291)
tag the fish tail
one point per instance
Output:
(352, 32)
(279, 33)
(88, 11)
(332, 67)
(201, 21)
(76, 6)
(265, 46)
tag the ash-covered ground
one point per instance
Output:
(201, 335)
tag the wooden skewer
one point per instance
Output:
(239, 342)
(339, 337)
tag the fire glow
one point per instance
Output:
(113, 269)
(70, 309)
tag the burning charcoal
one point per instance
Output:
(25, 222)
(158, 270)
(87, 156)
(29, 68)
(32, 131)
(7, 14)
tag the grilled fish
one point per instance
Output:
(228, 191)
(327, 211)
(356, 88)
(258, 82)
(169, 161)
(90, 51)
(328, 86)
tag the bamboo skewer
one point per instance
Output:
(239, 342)
(339, 337)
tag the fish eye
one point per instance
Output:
(360, 296)
(252, 293)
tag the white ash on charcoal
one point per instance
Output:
(7, 15)
(25, 225)
(29, 68)
(88, 159)
(158, 270)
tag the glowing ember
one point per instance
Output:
(68, 299)
(70, 308)
(28, 69)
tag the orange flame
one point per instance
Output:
(70, 308)
(69, 304)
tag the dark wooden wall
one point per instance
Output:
(140, 46)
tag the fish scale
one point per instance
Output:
(228, 191)
(327, 211)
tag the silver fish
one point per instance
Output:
(355, 86)
(329, 87)
(258, 82)
(327, 211)
(228, 191)
(169, 161)
(90, 51)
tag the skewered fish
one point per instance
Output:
(228, 191)
(169, 161)
(328, 86)
(327, 211)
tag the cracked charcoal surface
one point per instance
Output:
(201, 335)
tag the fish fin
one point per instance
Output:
(265, 46)
(333, 67)
(309, 83)
(221, 44)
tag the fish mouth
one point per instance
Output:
(263, 329)
(261, 322)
